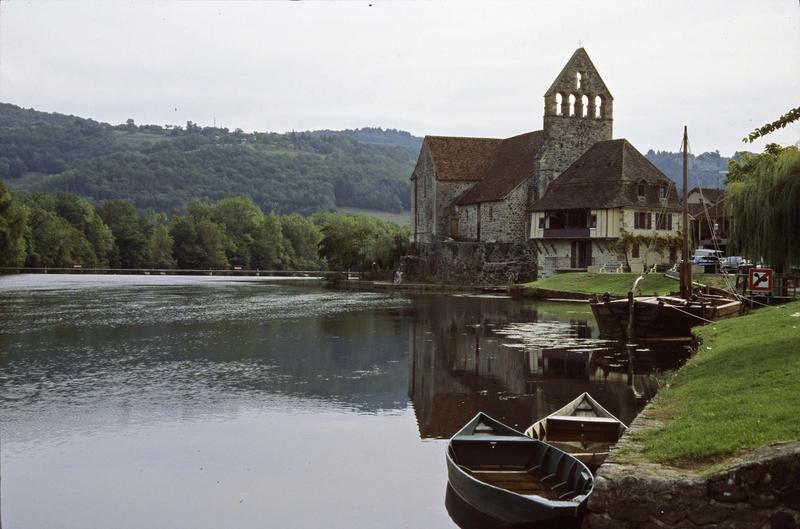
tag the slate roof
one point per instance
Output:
(512, 165)
(607, 176)
(462, 159)
(715, 210)
(711, 195)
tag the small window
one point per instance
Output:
(541, 222)
(592, 221)
(635, 250)
(572, 104)
(584, 106)
(491, 213)
(662, 192)
(598, 102)
(664, 221)
(641, 190)
(559, 104)
(642, 220)
(578, 81)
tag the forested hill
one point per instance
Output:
(376, 136)
(705, 170)
(164, 168)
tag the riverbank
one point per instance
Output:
(719, 444)
(583, 285)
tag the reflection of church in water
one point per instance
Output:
(460, 366)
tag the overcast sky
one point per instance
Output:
(447, 68)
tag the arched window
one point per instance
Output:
(584, 106)
(559, 103)
(572, 104)
(598, 103)
(578, 81)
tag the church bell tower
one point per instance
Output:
(578, 112)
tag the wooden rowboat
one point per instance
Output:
(515, 479)
(582, 428)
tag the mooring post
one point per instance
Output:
(631, 310)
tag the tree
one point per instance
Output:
(54, 242)
(80, 214)
(130, 244)
(301, 241)
(762, 199)
(242, 221)
(200, 243)
(268, 250)
(789, 117)
(160, 248)
(13, 223)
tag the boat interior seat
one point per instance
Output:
(584, 429)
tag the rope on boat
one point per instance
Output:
(690, 314)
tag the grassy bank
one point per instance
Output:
(739, 392)
(615, 284)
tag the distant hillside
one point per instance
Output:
(377, 136)
(705, 170)
(164, 168)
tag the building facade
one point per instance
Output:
(611, 208)
(491, 191)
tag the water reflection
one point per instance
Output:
(164, 402)
(519, 361)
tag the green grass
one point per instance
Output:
(615, 284)
(401, 219)
(739, 392)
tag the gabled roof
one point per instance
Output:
(512, 165)
(579, 61)
(711, 195)
(714, 210)
(462, 159)
(607, 176)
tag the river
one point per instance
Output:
(203, 402)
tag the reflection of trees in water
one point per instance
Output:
(461, 366)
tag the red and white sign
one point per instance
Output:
(760, 279)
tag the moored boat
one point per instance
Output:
(653, 317)
(516, 479)
(582, 428)
(665, 316)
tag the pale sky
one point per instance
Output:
(445, 68)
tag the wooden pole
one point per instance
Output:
(686, 269)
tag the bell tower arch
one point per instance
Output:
(578, 112)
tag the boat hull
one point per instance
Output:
(513, 493)
(653, 319)
(582, 428)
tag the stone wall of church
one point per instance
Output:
(578, 112)
(467, 222)
(446, 193)
(470, 263)
(567, 139)
(506, 220)
(423, 190)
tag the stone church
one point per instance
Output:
(481, 205)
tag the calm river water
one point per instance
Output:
(190, 402)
